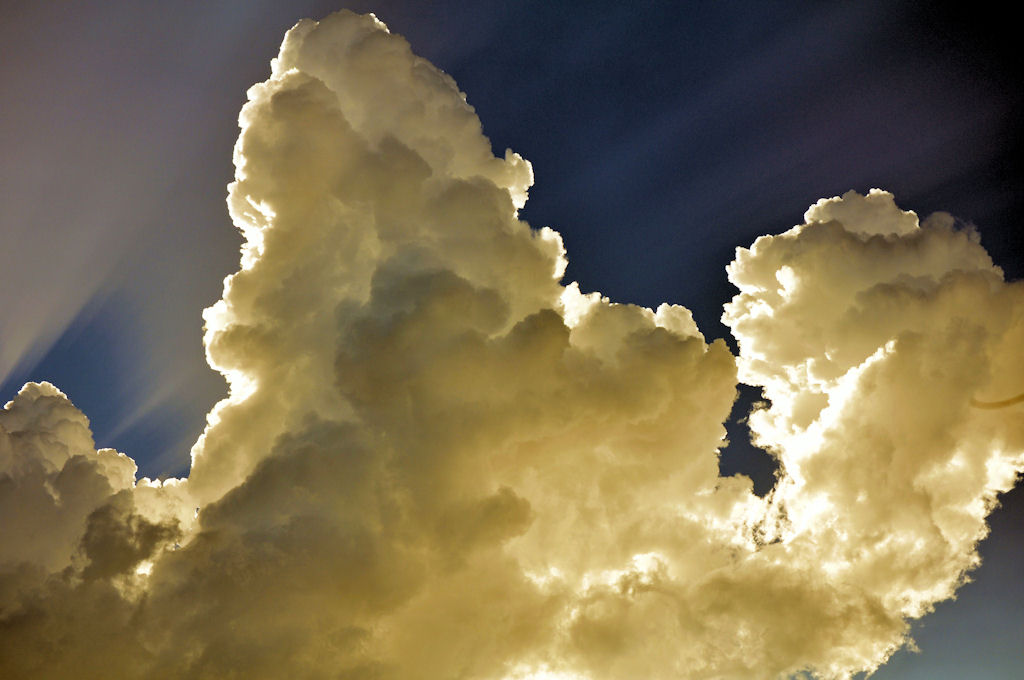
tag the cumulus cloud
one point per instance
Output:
(436, 461)
(874, 338)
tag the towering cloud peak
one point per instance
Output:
(362, 173)
(435, 461)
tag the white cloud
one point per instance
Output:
(436, 461)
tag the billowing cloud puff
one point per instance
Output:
(77, 535)
(436, 461)
(875, 338)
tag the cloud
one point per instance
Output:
(436, 461)
(874, 338)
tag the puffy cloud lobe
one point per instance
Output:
(76, 528)
(435, 461)
(872, 336)
(53, 477)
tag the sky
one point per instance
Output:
(662, 137)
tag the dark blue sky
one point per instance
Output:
(662, 135)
